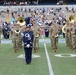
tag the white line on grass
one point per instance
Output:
(48, 60)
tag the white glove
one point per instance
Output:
(57, 35)
(22, 34)
(28, 45)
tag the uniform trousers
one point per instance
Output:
(74, 43)
(28, 55)
(54, 42)
(46, 34)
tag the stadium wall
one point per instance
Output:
(36, 6)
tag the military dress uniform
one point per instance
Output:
(28, 37)
(54, 31)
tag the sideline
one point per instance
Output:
(48, 59)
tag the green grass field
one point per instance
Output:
(64, 65)
(10, 64)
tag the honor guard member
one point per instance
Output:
(36, 30)
(15, 34)
(28, 37)
(54, 31)
(73, 33)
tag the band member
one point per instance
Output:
(6, 31)
(15, 34)
(68, 35)
(73, 32)
(64, 30)
(36, 30)
(22, 24)
(54, 31)
(28, 37)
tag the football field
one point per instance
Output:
(44, 62)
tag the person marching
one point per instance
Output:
(28, 37)
(64, 30)
(36, 30)
(15, 34)
(70, 35)
(54, 31)
(22, 24)
(73, 32)
(6, 30)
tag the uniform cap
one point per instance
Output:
(27, 26)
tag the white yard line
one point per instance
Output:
(48, 59)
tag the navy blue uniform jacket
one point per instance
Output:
(28, 38)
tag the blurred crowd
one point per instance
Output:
(43, 16)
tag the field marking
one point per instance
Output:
(48, 60)
(65, 55)
(33, 56)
